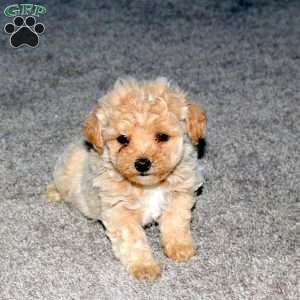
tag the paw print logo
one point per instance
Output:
(24, 32)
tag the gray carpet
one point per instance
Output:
(241, 60)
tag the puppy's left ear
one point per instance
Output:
(92, 130)
(195, 122)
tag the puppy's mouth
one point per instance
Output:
(145, 178)
(144, 174)
(148, 179)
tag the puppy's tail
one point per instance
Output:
(53, 194)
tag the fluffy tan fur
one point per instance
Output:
(104, 184)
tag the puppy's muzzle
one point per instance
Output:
(142, 165)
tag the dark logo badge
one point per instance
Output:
(24, 29)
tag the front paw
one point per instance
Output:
(179, 251)
(145, 271)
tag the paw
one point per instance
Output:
(179, 251)
(145, 271)
(52, 193)
(24, 32)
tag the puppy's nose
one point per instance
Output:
(142, 164)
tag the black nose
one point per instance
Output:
(142, 164)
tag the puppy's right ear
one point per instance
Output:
(92, 130)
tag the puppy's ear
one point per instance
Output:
(195, 122)
(92, 130)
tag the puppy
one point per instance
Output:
(136, 164)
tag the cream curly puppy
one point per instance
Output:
(136, 164)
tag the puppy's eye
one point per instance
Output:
(123, 140)
(162, 137)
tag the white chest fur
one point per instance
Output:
(154, 201)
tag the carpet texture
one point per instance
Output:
(241, 60)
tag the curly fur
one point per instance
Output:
(102, 182)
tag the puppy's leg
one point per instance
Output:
(175, 230)
(130, 245)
